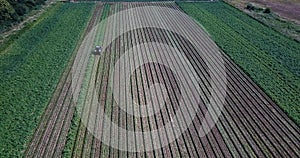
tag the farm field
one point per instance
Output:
(31, 67)
(282, 18)
(271, 59)
(251, 124)
(166, 84)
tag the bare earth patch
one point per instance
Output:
(289, 9)
(283, 17)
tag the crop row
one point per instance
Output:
(30, 69)
(251, 125)
(263, 66)
(76, 122)
(281, 48)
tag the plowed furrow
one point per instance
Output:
(250, 123)
(59, 111)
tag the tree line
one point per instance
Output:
(13, 11)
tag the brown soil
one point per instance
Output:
(251, 124)
(288, 9)
(50, 137)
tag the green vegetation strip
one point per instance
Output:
(71, 138)
(282, 49)
(30, 69)
(268, 57)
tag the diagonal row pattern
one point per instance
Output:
(250, 124)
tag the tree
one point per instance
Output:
(267, 10)
(11, 11)
(21, 9)
(7, 12)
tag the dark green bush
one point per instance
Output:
(267, 10)
(250, 6)
(21, 9)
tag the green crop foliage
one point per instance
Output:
(269, 58)
(31, 67)
(282, 49)
(72, 133)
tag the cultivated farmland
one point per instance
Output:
(251, 124)
(31, 67)
(162, 87)
(271, 59)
